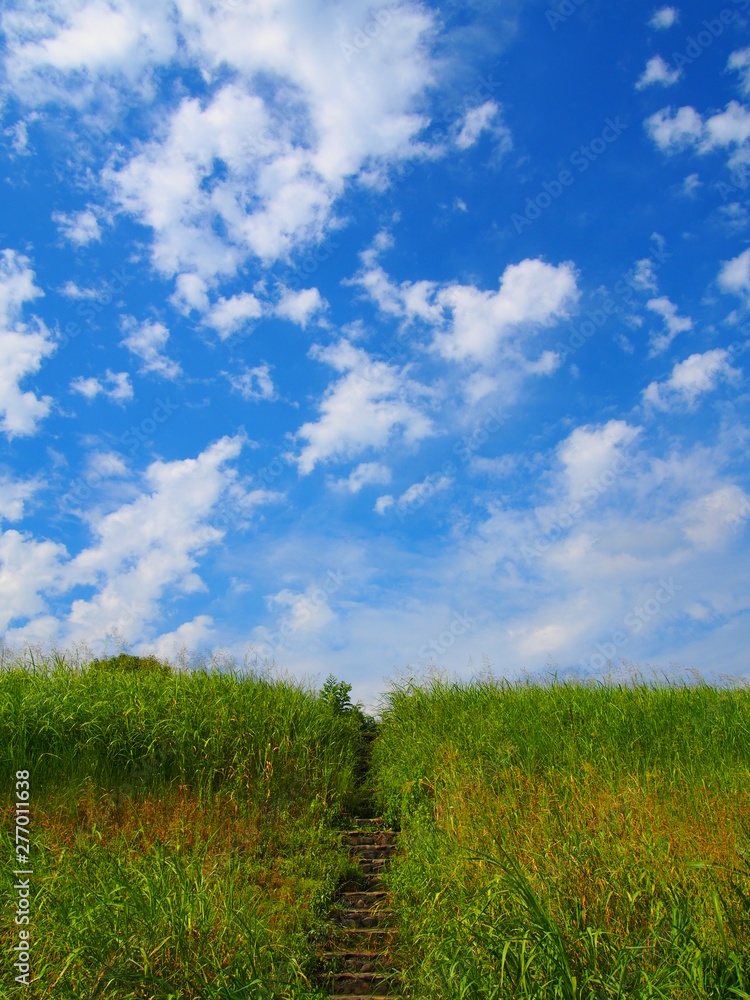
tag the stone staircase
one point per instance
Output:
(356, 963)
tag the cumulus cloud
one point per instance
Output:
(146, 341)
(709, 520)
(657, 71)
(740, 61)
(229, 315)
(476, 121)
(254, 384)
(673, 130)
(299, 306)
(139, 551)
(116, 386)
(14, 494)
(23, 348)
(369, 405)
(698, 374)
(684, 128)
(188, 636)
(78, 227)
(468, 323)
(664, 18)
(589, 451)
(251, 170)
(365, 474)
(674, 324)
(734, 275)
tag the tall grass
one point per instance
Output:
(570, 840)
(248, 735)
(183, 827)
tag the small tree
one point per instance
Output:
(336, 694)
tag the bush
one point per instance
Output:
(126, 663)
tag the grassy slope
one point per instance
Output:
(570, 841)
(182, 830)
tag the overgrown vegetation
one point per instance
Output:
(569, 841)
(559, 841)
(183, 828)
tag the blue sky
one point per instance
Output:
(367, 339)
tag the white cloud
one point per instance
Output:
(73, 291)
(424, 490)
(306, 611)
(698, 374)
(146, 341)
(27, 569)
(228, 315)
(365, 474)
(78, 227)
(664, 18)
(106, 464)
(728, 129)
(23, 347)
(299, 307)
(254, 384)
(673, 130)
(100, 47)
(690, 185)
(13, 496)
(471, 325)
(657, 71)
(675, 324)
(251, 170)
(709, 520)
(140, 551)
(740, 61)
(482, 119)
(531, 293)
(368, 406)
(735, 275)
(189, 636)
(383, 503)
(116, 386)
(589, 451)
(644, 276)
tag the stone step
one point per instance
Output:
(361, 984)
(372, 851)
(363, 918)
(373, 866)
(363, 938)
(361, 900)
(378, 836)
(356, 961)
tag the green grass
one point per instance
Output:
(559, 841)
(183, 828)
(568, 840)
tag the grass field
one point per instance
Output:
(182, 831)
(568, 840)
(558, 841)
